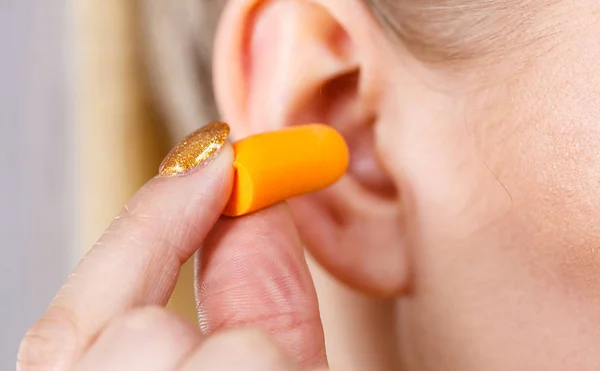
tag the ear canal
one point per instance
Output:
(288, 62)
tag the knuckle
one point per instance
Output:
(50, 343)
(149, 211)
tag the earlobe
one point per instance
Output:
(288, 62)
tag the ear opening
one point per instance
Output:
(290, 62)
(331, 102)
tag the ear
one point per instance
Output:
(288, 62)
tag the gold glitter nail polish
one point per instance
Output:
(195, 150)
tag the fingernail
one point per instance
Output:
(196, 150)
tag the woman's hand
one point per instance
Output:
(153, 339)
(251, 273)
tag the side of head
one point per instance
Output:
(473, 190)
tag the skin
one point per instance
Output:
(466, 233)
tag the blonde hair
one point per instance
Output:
(450, 32)
(177, 42)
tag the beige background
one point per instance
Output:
(120, 137)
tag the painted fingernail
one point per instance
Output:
(196, 150)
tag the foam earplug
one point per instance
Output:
(274, 166)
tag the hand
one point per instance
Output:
(153, 339)
(251, 273)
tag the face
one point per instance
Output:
(472, 198)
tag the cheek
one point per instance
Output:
(548, 158)
(527, 284)
(505, 239)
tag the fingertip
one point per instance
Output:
(196, 150)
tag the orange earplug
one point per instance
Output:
(275, 166)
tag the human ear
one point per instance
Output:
(287, 62)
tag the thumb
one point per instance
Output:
(252, 272)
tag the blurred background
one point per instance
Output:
(84, 121)
(37, 158)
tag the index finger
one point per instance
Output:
(137, 259)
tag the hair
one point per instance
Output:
(178, 37)
(450, 32)
(177, 41)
